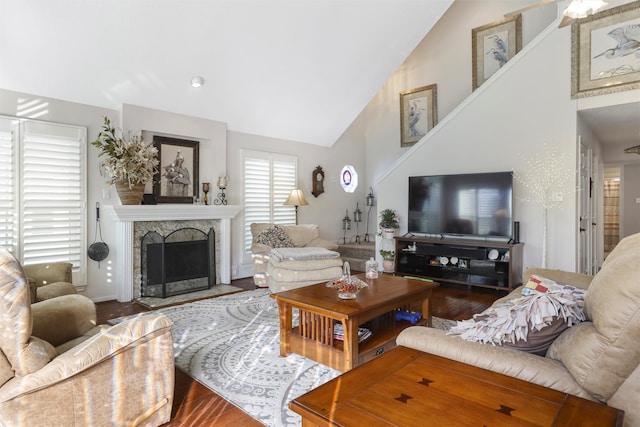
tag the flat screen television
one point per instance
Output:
(476, 204)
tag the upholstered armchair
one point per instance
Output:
(291, 273)
(49, 280)
(58, 368)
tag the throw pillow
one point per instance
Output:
(529, 323)
(275, 237)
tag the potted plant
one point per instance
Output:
(129, 162)
(388, 223)
(388, 258)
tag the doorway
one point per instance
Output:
(611, 208)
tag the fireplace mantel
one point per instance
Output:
(126, 216)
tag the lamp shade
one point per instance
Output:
(296, 198)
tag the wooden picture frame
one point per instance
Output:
(418, 113)
(493, 45)
(177, 177)
(600, 61)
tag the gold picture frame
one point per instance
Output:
(601, 61)
(493, 45)
(418, 113)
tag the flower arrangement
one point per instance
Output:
(389, 219)
(128, 157)
(388, 255)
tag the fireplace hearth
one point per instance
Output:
(181, 262)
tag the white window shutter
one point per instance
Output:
(8, 186)
(268, 180)
(43, 192)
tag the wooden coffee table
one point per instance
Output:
(406, 387)
(375, 306)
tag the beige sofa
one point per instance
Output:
(598, 359)
(279, 276)
(58, 368)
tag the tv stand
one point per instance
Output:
(487, 264)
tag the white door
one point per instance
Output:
(586, 210)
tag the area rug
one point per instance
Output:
(231, 344)
(216, 290)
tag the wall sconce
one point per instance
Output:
(221, 199)
(296, 198)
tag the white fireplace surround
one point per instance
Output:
(126, 216)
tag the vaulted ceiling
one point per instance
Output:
(299, 70)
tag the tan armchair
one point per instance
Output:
(290, 274)
(58, 368)
(49, 280)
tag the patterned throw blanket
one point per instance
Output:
(302, 254)
(514, 319)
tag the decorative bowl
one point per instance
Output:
(347, 286)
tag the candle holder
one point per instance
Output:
(205, 190)
(370, 202)
(346, 225)
(357, 218)
(221, 198)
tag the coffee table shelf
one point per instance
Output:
(374, 308)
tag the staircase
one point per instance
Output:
(357, 254)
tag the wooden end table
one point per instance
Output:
(406, 387)
(375, 306)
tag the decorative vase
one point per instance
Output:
(388, 265)
(129, 196)
(388, 233)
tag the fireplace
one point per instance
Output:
(127, 218)
(181, 262)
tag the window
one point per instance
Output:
(43, 192)
(268, 180)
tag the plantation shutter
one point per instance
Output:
(43, 192)
(53, 191)
(8, 190)
(268, 180)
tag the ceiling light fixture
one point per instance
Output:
(583, 8)
(197, 81)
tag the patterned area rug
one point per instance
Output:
(231, 344)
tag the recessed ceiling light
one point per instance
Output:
(197, 81)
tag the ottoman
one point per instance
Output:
(291, 268)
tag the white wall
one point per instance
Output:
(328, 209)
(443, 58)
(497, 129)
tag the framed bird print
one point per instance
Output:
(418, 113)
(605, 50)
(492, 45)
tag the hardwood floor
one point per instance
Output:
(196, 405)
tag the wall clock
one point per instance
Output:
(318, 181)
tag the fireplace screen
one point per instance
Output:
(181, 262)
